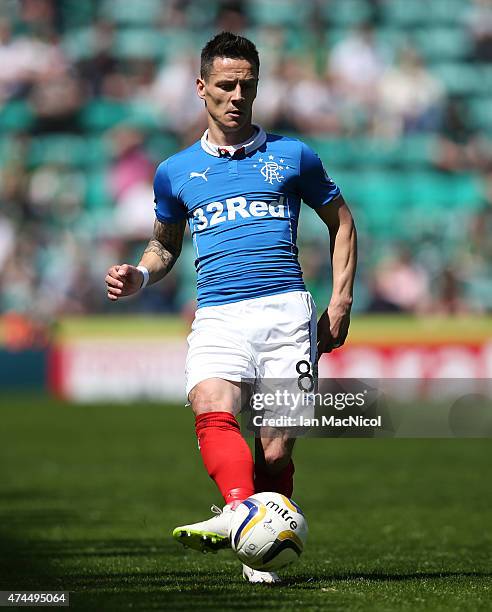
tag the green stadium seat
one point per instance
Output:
(187, 274)
(198, 18)
(485, 72)
(76, 14)
(175, 42)
(63, 149)
(334, 35)
(447, 11)
(144, 116)
(391, 39)
(424, 12)
(97, 197)
(382, 190)
(385, 220)
(461, 79)
(415, 150)
(277, 12)
(377, 197)
(98, 152)
(480, 114)
(4, 150)
(332, 151)
(78, 43)
(347, 13)
(16, 116)
(384, 199)
(468, 191)
(441, 44)
(101, 114)
(478, 292)
(299, 43)
(439, 193)
(138, 43)
(412, 150)
(310, 228)
(161, 145)
(404, 13)
(139, 12)
(68, 149)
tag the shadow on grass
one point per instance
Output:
(148, 574)
(309, 581)
(75, 566)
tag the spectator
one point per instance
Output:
(130, 181)
(400, 285)
(27, 60)
(310, 105)
(356, 65)
(172, 94)
(410, 97)
(449, 300)
(53, 66)
(479, 23)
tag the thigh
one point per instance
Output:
(217, 350)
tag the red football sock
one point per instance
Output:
(227, 457)
(279, 483)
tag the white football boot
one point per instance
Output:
(207, 536)
(252, 575)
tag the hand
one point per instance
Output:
(333, 328)
(123, 280)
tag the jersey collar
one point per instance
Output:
(250, 145)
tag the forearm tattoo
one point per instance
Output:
(166, 242)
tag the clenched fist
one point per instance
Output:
(333, 327)
(123, 280)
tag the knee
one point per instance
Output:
(203, 402)
(206, 398)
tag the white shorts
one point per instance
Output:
(252, 339)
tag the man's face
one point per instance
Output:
(229, 92)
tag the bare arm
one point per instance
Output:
(159, 257)
(163, 249)
(334, 322)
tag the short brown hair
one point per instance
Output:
(231, 45)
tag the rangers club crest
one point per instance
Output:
(271, 170)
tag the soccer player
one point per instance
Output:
(240, 191)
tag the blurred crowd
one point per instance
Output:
(94, 94)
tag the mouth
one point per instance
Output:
(235, 114)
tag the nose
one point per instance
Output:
(237, 94)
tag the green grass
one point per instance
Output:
(89, 496)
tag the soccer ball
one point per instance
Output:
(268, 531)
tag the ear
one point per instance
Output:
(200, 88)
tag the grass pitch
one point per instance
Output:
(89, 496)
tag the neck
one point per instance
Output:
(217, 136)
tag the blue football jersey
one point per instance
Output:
(243, 212)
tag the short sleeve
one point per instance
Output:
(316, 187)
(168, 208)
